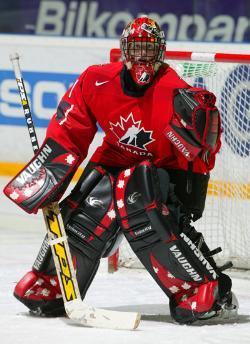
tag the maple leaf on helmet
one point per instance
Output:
(143, 46)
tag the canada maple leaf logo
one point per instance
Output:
(130, 132)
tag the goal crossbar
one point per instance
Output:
(115, 55)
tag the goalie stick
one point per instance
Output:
(76, 309)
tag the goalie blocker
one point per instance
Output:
(44, 179)
(195, 285)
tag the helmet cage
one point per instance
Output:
(147, 49)
(143, 47)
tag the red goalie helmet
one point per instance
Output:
(143, 46)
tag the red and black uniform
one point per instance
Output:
(147, 180)
(133, 122)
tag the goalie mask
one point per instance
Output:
(143, 46)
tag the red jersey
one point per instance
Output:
(133, 125)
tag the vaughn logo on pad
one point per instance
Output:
(42, 176)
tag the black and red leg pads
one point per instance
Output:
(171, 258)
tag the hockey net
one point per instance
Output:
(226, 219)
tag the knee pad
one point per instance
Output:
(92, 223)
(169, 255)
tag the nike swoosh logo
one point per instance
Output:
(97, 83)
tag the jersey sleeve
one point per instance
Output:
(73, 125)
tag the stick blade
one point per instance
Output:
(101, 318)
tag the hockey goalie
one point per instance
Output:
(147, 181)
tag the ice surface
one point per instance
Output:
(20, 238)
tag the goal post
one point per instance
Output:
(226, 219)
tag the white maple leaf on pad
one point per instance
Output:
(186, 286)
(174, 289)
(70, 159)
(111, 214)
(14, 195)
(127, 172)
(120, 184)
(45, 292)
(120, 204)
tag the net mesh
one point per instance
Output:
(226, 219)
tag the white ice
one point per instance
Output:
(20, 238)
